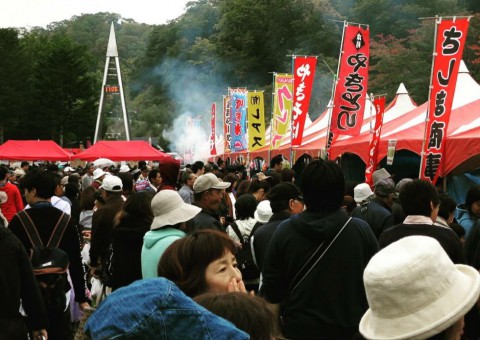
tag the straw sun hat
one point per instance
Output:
(415, 291)
(169, 209)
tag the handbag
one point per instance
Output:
(306, 269)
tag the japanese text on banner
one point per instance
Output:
(238, 112)
(256, 120)
(282, 108)
(450, 41)
(226, 123)
(351, 88)
(303, 74)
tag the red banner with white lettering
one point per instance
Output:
(351, 87)
(303, 75)
(379, 104)
(450, 41)
(213, 149)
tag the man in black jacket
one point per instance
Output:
(330, 300)
(376, 211)
(39, 188)
(285, 200)
(208, 192)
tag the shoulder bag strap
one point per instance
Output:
(237, 231)
(58, 231)
(312, 262)
(255, 227)
(30, 229)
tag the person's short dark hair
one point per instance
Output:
(245, 206)
(138, 204)
(24, 163)
(142, 164)
(71, 190)
(98, 197)
(287, 175)
(153, 174)
(248, 313)
(458, 229)
(278, 159)
(230, 178)
(473, 195)
(43, 182)
(185, 261)
(87, 198)
(447, 206)
(127, 181)
(52, 167)
(136, 174)
(416, 196)
(220, 162)
(57, 179)
(198, 165)
(3, 172)
(322, 185)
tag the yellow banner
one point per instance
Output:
(282, 108)
(256, 120)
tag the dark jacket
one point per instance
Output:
(446, 237)
(204, 220)
(18, 282)
(102, 225)
(376, 213)
(262, 236)
(127, 241)
(331, 299)
(45, 218)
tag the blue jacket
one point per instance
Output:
(155, 242)
(156, 309)
(464, 218)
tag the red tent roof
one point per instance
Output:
(134, 150)
(33, 150)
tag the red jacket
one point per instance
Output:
(14, 202)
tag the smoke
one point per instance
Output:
(193, 90)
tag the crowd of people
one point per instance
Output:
(212, 250)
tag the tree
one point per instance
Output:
(65, 93)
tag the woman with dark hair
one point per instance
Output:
(259, 189)
(202, 262)
(245, 207)
(132, 222)
(230, 197)
(87, 204)
(242, 187)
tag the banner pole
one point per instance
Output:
(271, 117)
(291, 113)
(422, 153)
(334, 85)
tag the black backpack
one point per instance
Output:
(49, 262)
(244, 256)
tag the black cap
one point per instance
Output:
(283, 192)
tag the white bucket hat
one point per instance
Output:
(263, 212)
(361, 192)
(170, 209)
(415, 291)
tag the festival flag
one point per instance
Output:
(450, 37)
(351, 86)
(226, 123)
(256, 120)
(282, 108)
(379, 104)
(303, 75)
(238, 126)
(213, 149)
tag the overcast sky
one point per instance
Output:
(29, 13)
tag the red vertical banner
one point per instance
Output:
(450, 41)
(351, 88)
(213, 149)
(379, 104)
(303, 76)
(227, 136)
